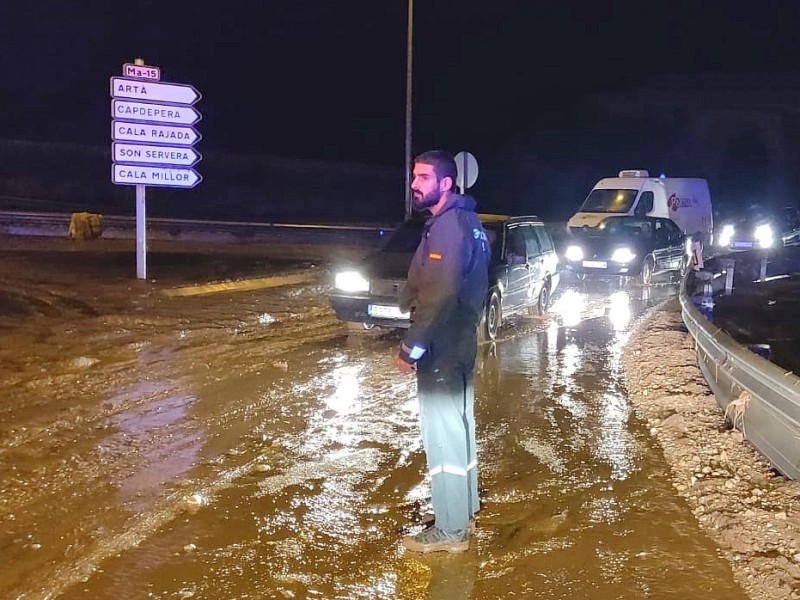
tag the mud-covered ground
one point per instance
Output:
(226, 445)
(749, 510)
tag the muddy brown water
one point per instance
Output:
(239, 445)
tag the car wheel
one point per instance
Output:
(542, 302)
(646, 275)
(490, 323)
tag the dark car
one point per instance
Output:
(627, 246)
(759, 227)
(522, 275)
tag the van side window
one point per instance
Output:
(645, 204)
(516, 251)
(545, 241)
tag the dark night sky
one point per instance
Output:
(326, 78)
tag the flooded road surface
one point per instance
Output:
(239, 445)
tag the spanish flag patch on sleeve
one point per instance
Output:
(434, 256)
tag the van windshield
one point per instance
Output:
(609, 201)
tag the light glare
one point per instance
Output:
(351, 281)
(574, 253)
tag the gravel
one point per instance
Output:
(750, 510)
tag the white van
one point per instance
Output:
(686, 201)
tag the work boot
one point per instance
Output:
(434, 539)
(429, 520)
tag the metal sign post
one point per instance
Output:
(141, 233)
(152, 139)
(409, 58)
(141, 211)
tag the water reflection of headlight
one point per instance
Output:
(764, 236)
(351, 281)
(574, 253)
(619, 310)
(345, 398)
(569, 307)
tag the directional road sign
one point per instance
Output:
(135, 89)
(157, 176)
(155, 155)
(158, 113)
(147, 133)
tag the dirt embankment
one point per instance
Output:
(751, 511)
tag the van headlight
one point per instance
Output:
(726, 235)
(351, 281)
(574, 253)
(623, 255)
(764, 236)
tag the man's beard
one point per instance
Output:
(425, 201)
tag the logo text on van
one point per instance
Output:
(675, 202)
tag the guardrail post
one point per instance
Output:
(728, 265)
(707, 302)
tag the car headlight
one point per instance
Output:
(623, 255)
(764, 236)
(351, 281)
(574, 253)
(726, 235)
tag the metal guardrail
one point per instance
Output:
(760, 398)
(124, 227)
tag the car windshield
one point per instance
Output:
(622, 227)
(404, 239)
(494, 231)
(755, 214)
(609, 201)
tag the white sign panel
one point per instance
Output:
(156, 176)
(141, 71)
(467, 166)
(159, 113)
(135, 89)
(159, 155)
(148, 133)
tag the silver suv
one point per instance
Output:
(523, 274)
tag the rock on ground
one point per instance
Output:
(750, 510)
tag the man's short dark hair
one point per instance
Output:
(443, 163)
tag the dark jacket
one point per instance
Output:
(448, 278)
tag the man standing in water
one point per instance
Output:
(446, 289)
